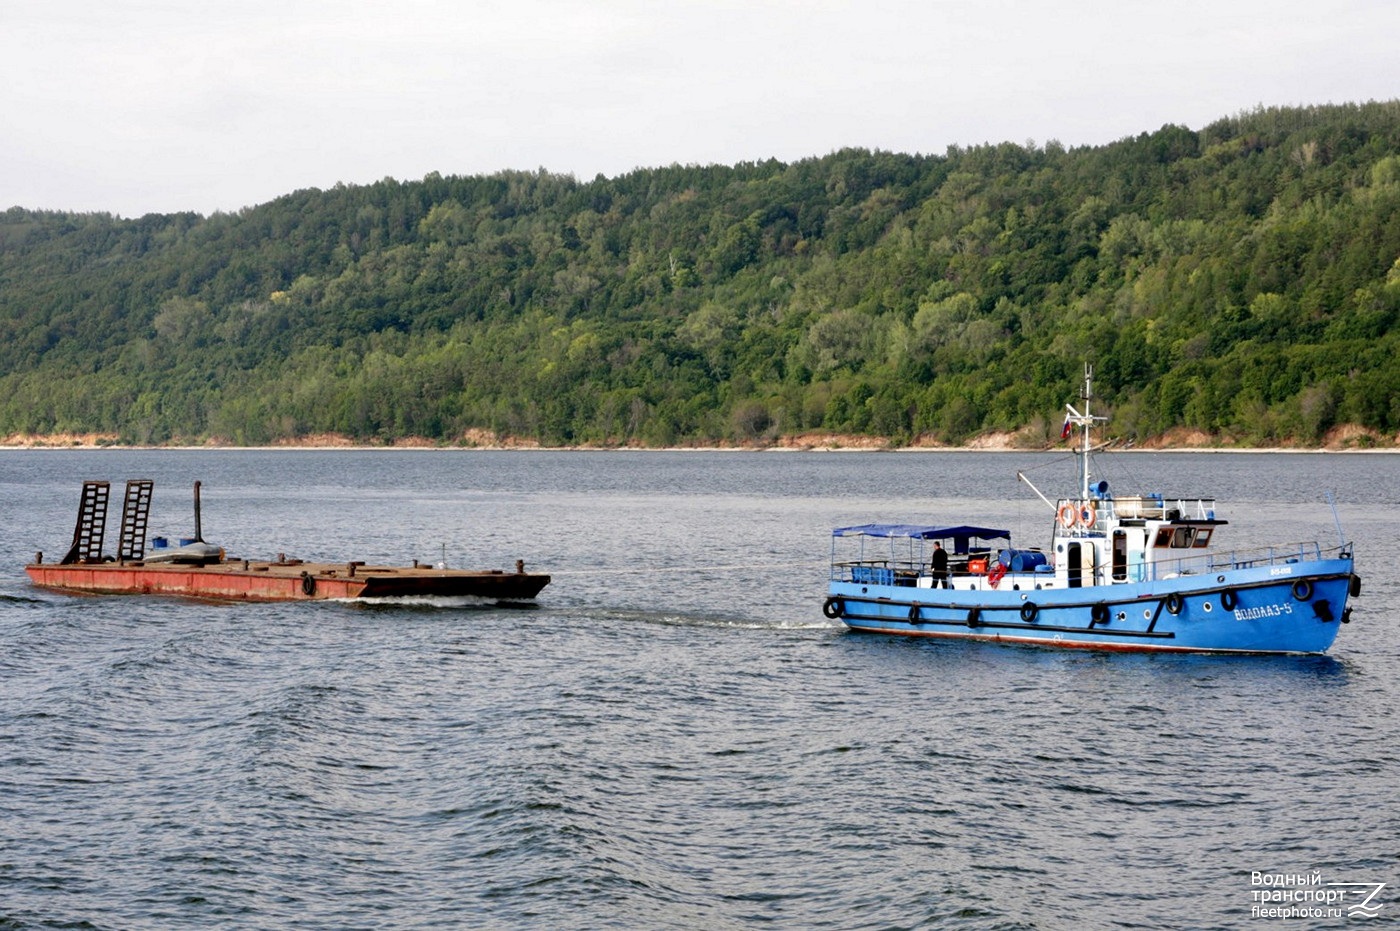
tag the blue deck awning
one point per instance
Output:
(922, 532)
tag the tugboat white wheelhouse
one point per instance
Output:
(1137, 572)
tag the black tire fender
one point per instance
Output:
(1029, 611)
(834, 608)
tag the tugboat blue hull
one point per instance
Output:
(1290, 608)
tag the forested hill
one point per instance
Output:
(1241, 279)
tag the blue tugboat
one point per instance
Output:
(1135, 573)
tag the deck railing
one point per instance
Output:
(876, 571)
(1150, 507)
(1244, 559)
(884, 571)
(869, 571)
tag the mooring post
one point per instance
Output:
(198, 533)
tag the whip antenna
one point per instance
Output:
(1341, 537)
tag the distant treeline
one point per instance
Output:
(1240, 280)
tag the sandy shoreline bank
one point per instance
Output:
(1340, 440)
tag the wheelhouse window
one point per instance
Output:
(1180, 538)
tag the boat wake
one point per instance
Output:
(456, 602)
(712, 621)
(21, 600)
(677, 570)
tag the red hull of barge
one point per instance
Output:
(283, 581)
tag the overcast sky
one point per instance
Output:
(139, 106)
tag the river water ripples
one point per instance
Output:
(674, 737)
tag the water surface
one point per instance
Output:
(675, 737)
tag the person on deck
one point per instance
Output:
(940, 565)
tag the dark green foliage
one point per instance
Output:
(1242, 280)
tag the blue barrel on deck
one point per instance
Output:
(1027, 561)
(1021, 560)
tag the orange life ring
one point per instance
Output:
(1067, 516)
(1088, 514)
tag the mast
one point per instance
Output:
(1085, 423)
(1085, 438)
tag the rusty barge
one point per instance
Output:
(197, 569)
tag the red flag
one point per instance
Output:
(1064, 433)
